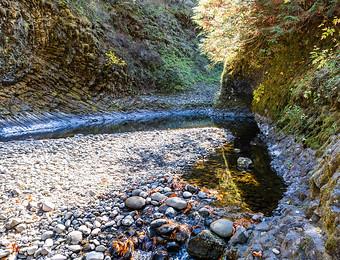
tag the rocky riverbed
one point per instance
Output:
(65, 198)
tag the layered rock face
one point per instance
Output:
(77, 55)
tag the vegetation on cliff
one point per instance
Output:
(289, 53)
(77, 55)
(286, 53)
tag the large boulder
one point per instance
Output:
(206, 245)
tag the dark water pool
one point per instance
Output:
(258, 189)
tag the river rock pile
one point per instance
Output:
(162, 219)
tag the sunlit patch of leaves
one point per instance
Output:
(123, 247)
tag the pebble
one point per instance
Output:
(275, 251)
(4, 253)
(222, 227)
(85, 230)
(75, 248)
(100, 248)
(59, 228)
(75, 237)
(94, 256)
(202, 195)
(158, 196)
(176, 203)
(46, 235)
(31, 250)
(58, 257)
(47, 206)
(95, 232)
(49, 242)
(128, 221)
(135, 202)
(13, 222)
(170, 212)
(187, 194)
(20, 228)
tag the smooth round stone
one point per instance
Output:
(222, 227)
(101, 248)
(135, 202)
(95, 232)
(187, 194)
(176, 203)
(75, 237)
(275, 251)
(94, 256)
(60, 228)
(58, 257)
(84, 229)
(75, 248)
(158, 196)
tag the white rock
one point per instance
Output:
(94, 256)
(170, 212)
(20, 228)
(275, 251)
(100, 248)
(31, 250)
(75, 248)
(244, 162)
(48, 242)
(75, 237)
(85, 230)
(59, 228)
(95, 232)
(13, 222)
(47, 206)
(4, 253)
(58, 257)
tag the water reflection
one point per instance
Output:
(257, 189)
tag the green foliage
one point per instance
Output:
(112, 59)
(180, 72)
(234, 28)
